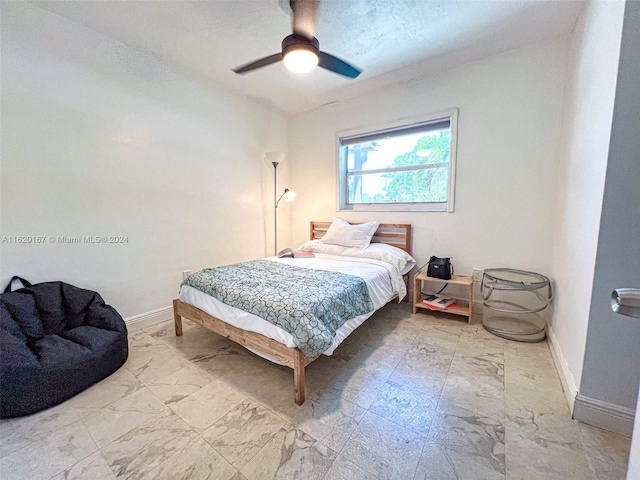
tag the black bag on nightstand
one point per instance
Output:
(440, 268)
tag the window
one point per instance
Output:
(399, 167)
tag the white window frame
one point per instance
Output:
(379, 129)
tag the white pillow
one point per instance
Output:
(386, 253)
(354, 236)
(317, 246)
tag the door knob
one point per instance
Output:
(626, 301)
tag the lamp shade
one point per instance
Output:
(274, 157)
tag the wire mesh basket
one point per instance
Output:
(515, 304)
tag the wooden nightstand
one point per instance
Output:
(465, 308)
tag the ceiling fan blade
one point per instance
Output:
(305, 14)
(263, 62)
(337, 66)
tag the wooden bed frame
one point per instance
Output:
(398, 235)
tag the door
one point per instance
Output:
(626, 301)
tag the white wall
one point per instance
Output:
(589, 102)
(510, 110)
(98, 139)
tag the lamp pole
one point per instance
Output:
(275, 209)
(276, 200)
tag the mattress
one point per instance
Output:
(383, 282)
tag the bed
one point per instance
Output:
(244, 325)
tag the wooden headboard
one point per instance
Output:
(396, 234)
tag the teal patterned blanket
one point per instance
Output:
(309, 304)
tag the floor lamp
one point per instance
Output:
(287, 194)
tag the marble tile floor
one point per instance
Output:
(422, 396)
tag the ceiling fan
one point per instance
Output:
(301, 50)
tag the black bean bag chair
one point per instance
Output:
(55, 341)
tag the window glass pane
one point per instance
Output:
(424, 185)
(400, 151)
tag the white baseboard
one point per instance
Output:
(604, 415)
(585, 409)
(566, 377)
(147, 319)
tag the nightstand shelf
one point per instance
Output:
(465, 309)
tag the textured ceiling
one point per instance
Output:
(390, 40)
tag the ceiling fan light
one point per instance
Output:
(300, 60)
